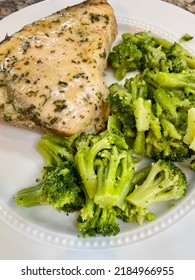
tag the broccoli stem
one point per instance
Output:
(31, 196)
(139, 143)
(140, 176)
(85, 164)
(189, 137)
(142, 112)
(163, 42)
(166, 102)
(107, 192)
(169, 129)
(176, 80)
(147, 193)
(114, 173)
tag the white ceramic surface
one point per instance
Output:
(20, 164)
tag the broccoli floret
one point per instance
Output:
(127, 103)
(166, 148)
(153, 55)
(137, 86)
(58, 187)
(131, 213)
(124, 57)
(142, 51)
(56, 148)
(172, 105)
(164, 182)
(120, 104)
(115, 170)
(178, 51)
(88, 148)
(171, 110)
(142, 113)
(105, 164)
(95, 220)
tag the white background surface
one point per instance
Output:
(177, 241)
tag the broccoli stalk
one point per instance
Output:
(164, 182)
(87, 150)
(142, 113)
(130, 213)
(115, 170)
(189, 137)
(178, 51)
(186, 78)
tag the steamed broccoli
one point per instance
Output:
(130, 213)
(189, 137)
(94, 220)
(166, 148)
(57, 148)
(142, 51)
(58, 187)
(156, 122)
(186, 57)
(158, 182)
(125, 57)
(121, 106)
(115, 170)
(105, 164)
(133, 214)
(164, 182)
(179, 80)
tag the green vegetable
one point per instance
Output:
(56, 148)
(152, 106)
(58, 187)
(95, 220)
(159, 182)
(142, 51)
(189, 137)
(164, 182)
(186, 37)
(175, 80)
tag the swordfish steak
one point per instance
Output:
(51, 71)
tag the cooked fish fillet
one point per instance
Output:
(51, 71)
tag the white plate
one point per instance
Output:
(20, 163)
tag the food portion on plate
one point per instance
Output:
(52, 70)
(130, 156)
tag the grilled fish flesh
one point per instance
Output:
(51, 71)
